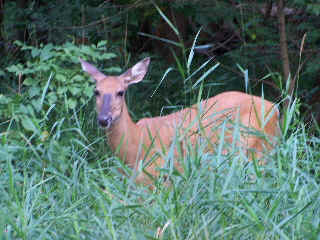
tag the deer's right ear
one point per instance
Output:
(92, 70)
(136, 73)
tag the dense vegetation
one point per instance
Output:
(60, 181)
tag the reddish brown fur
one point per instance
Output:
(136, 138)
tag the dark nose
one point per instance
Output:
(105, 120)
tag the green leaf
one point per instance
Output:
(29, 81)
(72, 103)
(102, 43)
(78, 78)
(113, 69)
(52, 97)
(15, 68)
(35, 52)
(18, 43)
(74, 90)
(61, 90)
(31, 109)
(87, 50)
(61, 78)
(23, 109)
(36, 103)
(34, 91)
(4, 99)
(88, 91)
(46, 52)
(107, 56)
(28, 124)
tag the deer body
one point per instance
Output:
(150, 135)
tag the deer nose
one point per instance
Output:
(105, 121)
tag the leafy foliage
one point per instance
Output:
(52, 79)
(53, 86)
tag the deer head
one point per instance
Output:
(110, 90)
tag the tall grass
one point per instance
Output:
(67, 186)
(215, 197)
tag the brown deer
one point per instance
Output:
(149, 136)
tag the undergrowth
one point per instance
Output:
(59, 180)
(70, 188)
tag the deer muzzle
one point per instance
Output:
(105, 116)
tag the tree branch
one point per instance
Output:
(284, 48)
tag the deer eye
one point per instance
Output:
(120, 93)
(96, 93)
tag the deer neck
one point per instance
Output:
(124, 137)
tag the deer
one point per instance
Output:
(133, 141)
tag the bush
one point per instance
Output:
(52, 86)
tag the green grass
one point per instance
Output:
(67, 186)
(59, 179)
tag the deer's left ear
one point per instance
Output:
(136, 73)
